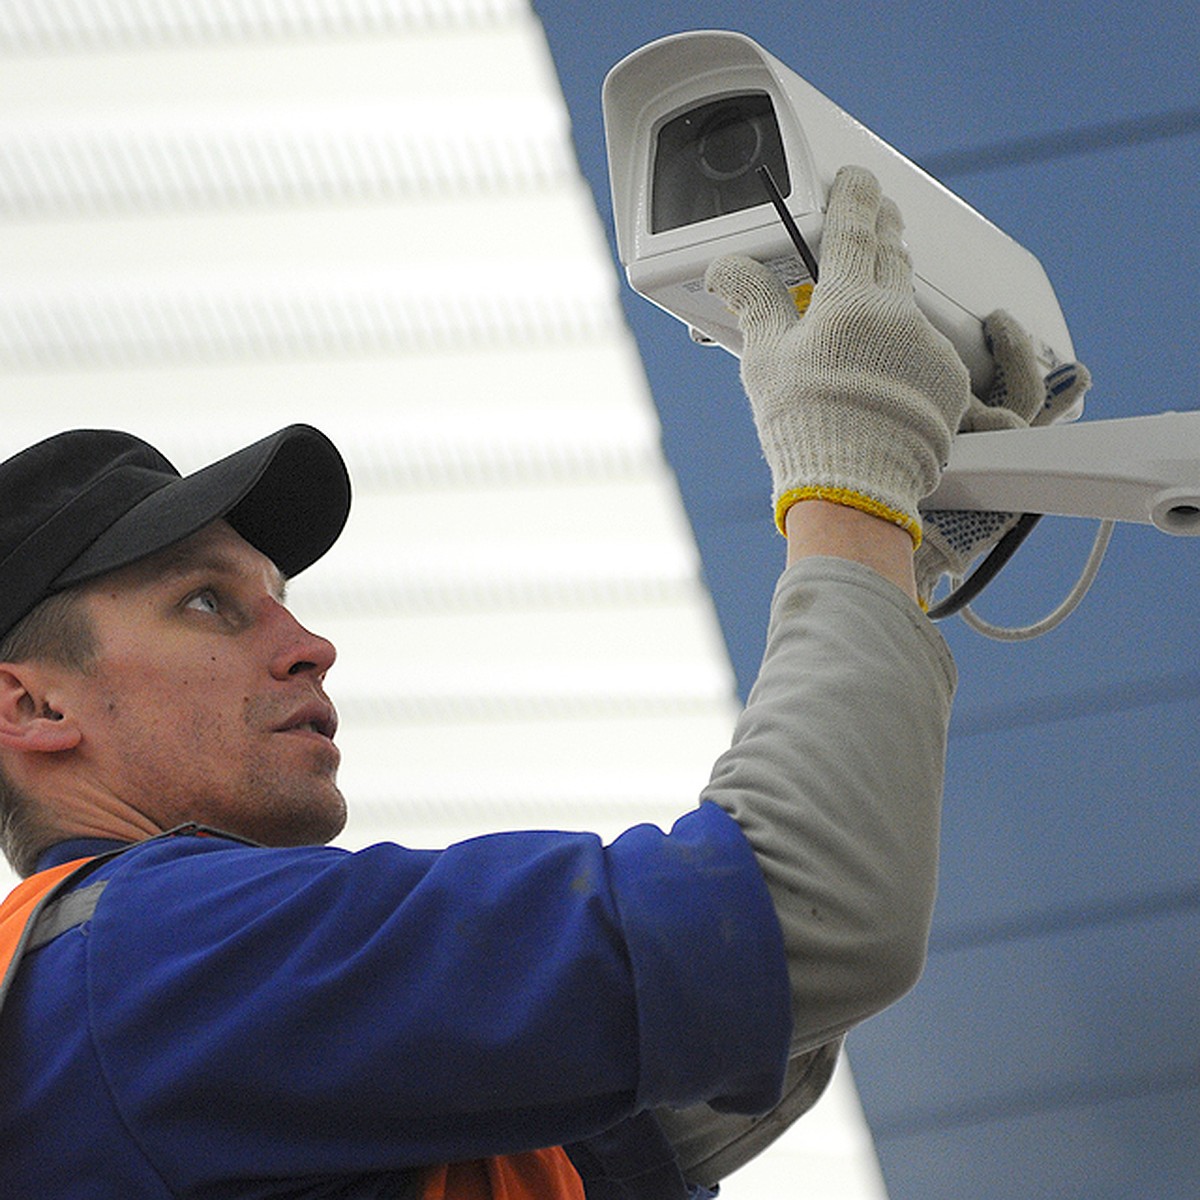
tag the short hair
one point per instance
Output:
(59, 630)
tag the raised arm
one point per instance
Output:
(836, 767)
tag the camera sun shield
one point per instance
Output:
(690, 119)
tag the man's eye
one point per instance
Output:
(205, 601)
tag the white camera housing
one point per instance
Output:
(689, 118)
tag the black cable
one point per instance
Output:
(987, 570)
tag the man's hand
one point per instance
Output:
(857, 401)
(1019, 396)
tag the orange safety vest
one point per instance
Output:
(20, 911)
(535, 1175)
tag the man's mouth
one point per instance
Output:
(314, 717)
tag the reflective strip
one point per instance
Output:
(64, 913)
(25, 905)
(21, 909)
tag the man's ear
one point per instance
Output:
(28, 720)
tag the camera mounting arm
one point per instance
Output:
(1140, 469)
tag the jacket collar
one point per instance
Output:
(73, 848)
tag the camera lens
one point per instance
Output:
(705, 159)
(729, 145)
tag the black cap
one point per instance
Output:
(87, 501)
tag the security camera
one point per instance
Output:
(710, 137)
(692, 119)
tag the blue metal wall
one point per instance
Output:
(1053, 1047)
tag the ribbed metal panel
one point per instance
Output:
(61, 25)
(217, 218)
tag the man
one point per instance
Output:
(235, 1009)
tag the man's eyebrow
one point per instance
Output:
(183, 560)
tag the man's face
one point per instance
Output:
(206, 703)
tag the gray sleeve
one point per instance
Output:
(711, 1145)
(835, 777)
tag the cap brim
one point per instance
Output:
(288, 495)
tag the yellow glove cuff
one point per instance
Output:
(851, 499)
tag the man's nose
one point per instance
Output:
(300, 651)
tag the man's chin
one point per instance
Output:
(314, 821)
(321, 827)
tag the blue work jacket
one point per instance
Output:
(238, 1021)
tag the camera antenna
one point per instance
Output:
(806, 255)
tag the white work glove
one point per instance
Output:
(857, 401)
(1019, 396)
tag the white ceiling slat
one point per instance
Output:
(535, 754)
(502, 651)
(451, 75)
(623, 579)
(59, 25)
(206, 322)
(350, 153)
(383, 527)
(577, 394)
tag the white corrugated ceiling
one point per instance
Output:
(220, 218)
